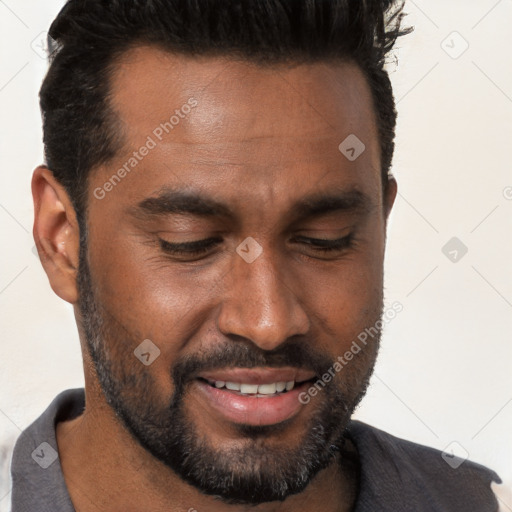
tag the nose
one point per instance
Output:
(261, 304)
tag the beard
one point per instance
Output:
(254, 471)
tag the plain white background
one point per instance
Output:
(444, 377)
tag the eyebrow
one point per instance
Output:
(181, 202)
(349, 201)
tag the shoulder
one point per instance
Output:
(424, 478)
(35, 450)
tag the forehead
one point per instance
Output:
(148, 82)
(166, 78)
(265, 126)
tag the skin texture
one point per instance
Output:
(258, 141)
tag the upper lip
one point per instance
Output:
(258, 375)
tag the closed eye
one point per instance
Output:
(193, 248)
(197, 248)
(326, 245)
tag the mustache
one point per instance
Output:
(296, 353)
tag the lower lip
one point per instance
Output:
(253, 410)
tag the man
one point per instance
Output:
(214, 206)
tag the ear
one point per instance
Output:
(56, 233)
(390, 195)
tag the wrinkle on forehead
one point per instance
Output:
(238, 100)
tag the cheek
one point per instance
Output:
(347, 301)
(147, 298)
(349, 294)
(354, 306)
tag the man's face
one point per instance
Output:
(289, 274)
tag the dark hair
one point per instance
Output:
(81, 131)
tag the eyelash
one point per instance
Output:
(199, 247)
(194, 248)
(324, 245)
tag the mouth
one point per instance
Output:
(254, 397)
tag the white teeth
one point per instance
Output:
(280, 386)
(267, 389)
(255, 389)
(248, 388)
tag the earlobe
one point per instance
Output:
(56, 233)
(390, 195)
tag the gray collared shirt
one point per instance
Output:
(396, 475)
